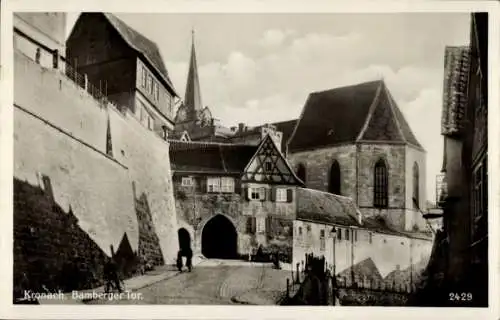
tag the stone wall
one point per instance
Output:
(75, 199)
(195, 208)
(147, 157)
(375, 255)
(414, 218)
(395, 158)
(357, 177)
(318, 164)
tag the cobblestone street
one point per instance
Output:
(214, 282)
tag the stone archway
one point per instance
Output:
(219, 238)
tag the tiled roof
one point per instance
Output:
(319, 206)
(147, 48)
(379, 224)
(341, 115)
(209, 157)
(323, 207)
(456, 73)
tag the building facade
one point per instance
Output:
(358, 249)
(460, 258)
(354, 141)
(233, 198)
(126, 66)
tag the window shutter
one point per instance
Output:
(237, 186)
(273, 194)
(249, 226)
(289, 195)
(268, 225)
(264, 192)
(254, 224)
(246, 193)
(203, 185)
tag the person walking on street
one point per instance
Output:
(111, 276)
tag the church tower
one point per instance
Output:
(192, 97)
(192, 118)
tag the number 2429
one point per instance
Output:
(464, 296)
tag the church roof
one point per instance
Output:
(145, 47)
(210, 157)
(324, 207)
(192, 97)
(362, 112)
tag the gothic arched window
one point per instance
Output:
(334, 183)
(416, 184)
(301, 172)
(380, 188)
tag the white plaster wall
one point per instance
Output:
(388, 252)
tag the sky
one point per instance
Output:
(258, 68)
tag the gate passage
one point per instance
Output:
(219, 238)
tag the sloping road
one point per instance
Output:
(214, 282)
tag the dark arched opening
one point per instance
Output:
(416, 186)
(184, 239)
(334, 183)
(219, 238)
(380, 188)
(301, 172)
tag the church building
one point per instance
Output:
(354, 141)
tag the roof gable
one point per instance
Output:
(381, 123)
(148, 49)
(365, 269)
(333, 117)
(362, 112)
(269, 166)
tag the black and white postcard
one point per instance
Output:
(209, 156)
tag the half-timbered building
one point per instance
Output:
(233, 198)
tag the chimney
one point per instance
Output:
(233, 129)
(241, 127)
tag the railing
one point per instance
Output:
(51, 59)
(351, 283)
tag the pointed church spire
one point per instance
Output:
(192, 98)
